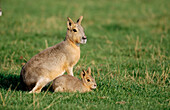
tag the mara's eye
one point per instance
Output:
(74, 30)
(88, 80)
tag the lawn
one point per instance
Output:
(128, 49)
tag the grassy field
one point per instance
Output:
(128, 49)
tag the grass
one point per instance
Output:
(128, 50)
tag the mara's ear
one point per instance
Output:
(70, 23)
(79, 20)
(83, 73)
(89, 70)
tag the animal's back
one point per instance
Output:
(43, 64)
(46, 57)
(67, 83)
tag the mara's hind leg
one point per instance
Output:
(39, 85)
(59, 89)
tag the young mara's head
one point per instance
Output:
(87, 79)
(75, 31)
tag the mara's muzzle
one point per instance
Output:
(83, 40)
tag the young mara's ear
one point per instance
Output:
(79, 20)
(70, 23)
(83, 74)
(89, 70)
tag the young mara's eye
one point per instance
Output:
(74, 30)
(88, 80)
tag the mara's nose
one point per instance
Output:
(84, 37)
(95, 85)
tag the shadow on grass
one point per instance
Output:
(14, 83)
(10, 81)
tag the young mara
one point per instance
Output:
(68, 83)
(54, 61)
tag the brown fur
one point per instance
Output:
(54, 61)
(67, 83)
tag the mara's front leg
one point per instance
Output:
(70, 71)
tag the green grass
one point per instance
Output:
(128, 49)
